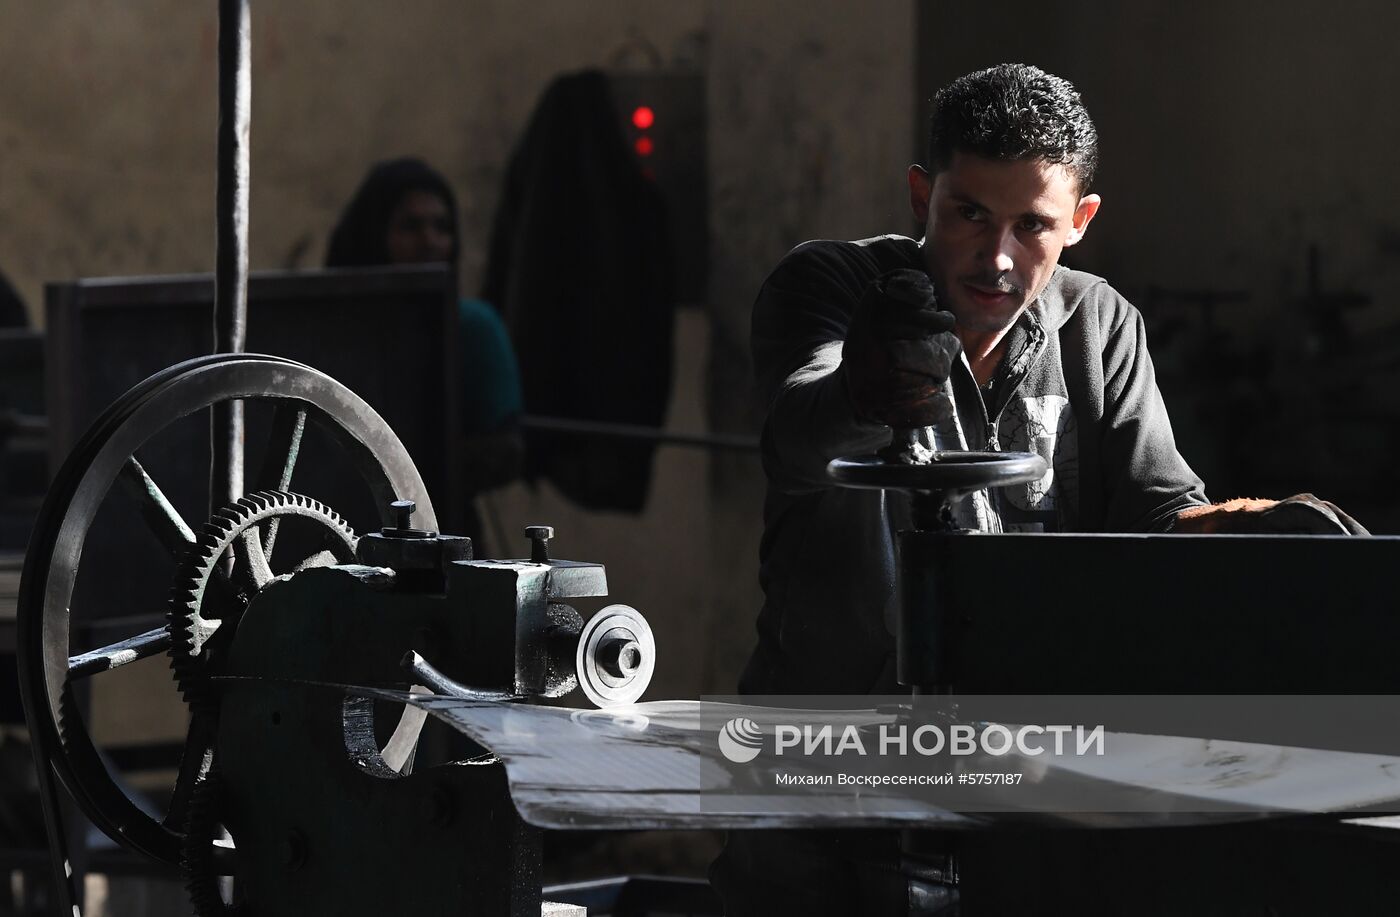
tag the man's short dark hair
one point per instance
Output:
(1013, 111)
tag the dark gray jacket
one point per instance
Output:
(1076, 386)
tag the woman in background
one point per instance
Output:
(404, 212)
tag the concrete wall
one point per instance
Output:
(107, 116)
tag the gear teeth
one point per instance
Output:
(188, 657)
(197, 849)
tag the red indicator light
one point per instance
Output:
(643, 146)
(643, 117)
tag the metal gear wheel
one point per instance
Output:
(199, 635)
(197, 638)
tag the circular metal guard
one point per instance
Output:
(616, 656)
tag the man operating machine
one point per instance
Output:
(972, 338)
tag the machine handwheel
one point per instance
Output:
(936, 484)
(107, 454)
(952, 473)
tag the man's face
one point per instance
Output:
(994, 231)
(420, 230)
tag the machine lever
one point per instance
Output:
(424, 674)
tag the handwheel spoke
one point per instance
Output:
(280, 459)
(162, 518)
(119, 654)
(319, 559)
(252, 568)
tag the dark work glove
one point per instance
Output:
(899, 351)
(1304, 514)
(1300, 514)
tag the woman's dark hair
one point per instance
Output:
(358, 239)
(1014, 111)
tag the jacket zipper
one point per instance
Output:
(1013, 383)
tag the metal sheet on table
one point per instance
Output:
(659, 765)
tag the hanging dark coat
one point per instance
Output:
(581, 268)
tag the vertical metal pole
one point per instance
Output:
(231, 255)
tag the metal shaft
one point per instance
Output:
(231, 253)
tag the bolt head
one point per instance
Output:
(620, 658)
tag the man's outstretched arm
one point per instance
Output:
(1159, 491)
(840, 365)
(1300, 514)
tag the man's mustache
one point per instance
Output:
(1000, 282)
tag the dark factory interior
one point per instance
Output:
(489, 305)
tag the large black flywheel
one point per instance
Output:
(298, 397)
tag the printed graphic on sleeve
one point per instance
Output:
(1044, 425)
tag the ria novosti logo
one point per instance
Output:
(740, 740)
